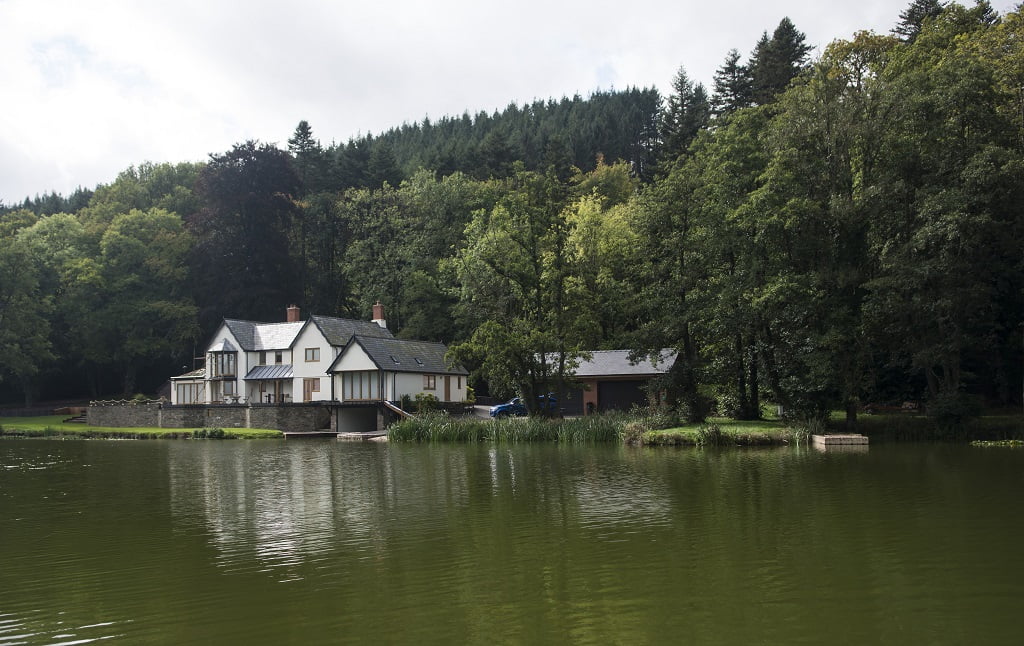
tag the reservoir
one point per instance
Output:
(319, 541)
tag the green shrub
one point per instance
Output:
(633, 433)
(425, 403)
(728, 404)
(211, 434)
(711, 435)
(951, 410)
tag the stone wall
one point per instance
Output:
(124, 414)
(290, 418)
(287, 417)
(205, 416)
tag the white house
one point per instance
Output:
(273, 363)
(377, 368)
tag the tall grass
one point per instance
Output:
(440, 427)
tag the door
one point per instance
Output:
(447, 388)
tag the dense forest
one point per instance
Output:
(815, 233)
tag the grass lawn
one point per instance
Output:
(54, 426)
(765, 432)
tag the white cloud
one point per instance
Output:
(91, 88)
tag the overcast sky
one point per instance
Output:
(90, 88)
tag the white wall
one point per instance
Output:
(411, 383)
(311, 337)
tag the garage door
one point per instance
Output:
(620, 395)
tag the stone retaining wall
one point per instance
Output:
(287, 417)
(126, 415)
(290, 418)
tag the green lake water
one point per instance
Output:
(273, 542)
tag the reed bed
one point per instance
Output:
(439, 427)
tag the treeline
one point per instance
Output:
(817, 234)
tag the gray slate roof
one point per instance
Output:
(616, 363)
(244, 331)
(271, 372)
(339, 331)
(255, 336)
(399, 355)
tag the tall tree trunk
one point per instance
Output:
(755, 391)
(741, 378)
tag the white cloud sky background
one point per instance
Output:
(91, 88)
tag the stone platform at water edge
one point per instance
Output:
(839, 439)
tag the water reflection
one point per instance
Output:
(265, 506)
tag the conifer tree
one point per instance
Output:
(732, 86)
(912, 18)
(776, 61)
(687, 111)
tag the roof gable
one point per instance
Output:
(399, 355)
(338, 331)
(243, 331)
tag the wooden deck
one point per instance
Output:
(839, 438)
(840, 443)
(372, 436)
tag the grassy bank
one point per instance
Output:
(722, 431)
(54, 426)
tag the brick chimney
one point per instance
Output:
(378, 315)
(293, 313)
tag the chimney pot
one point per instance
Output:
(293, 313)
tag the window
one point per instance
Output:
(360, 386)
(312, 354)
(310, 386)
(190, 393)
(263, 357)
(278, 357)
(223, 364)
(229, 387)
(458, 383)
(429, 382)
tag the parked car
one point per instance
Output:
(515, 406)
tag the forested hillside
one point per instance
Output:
(819, 234)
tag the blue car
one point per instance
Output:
(515, 406)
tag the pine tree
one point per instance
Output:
(732, 86)
(310, 160)
(912, 18)
(776, 61)
(687, 111)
